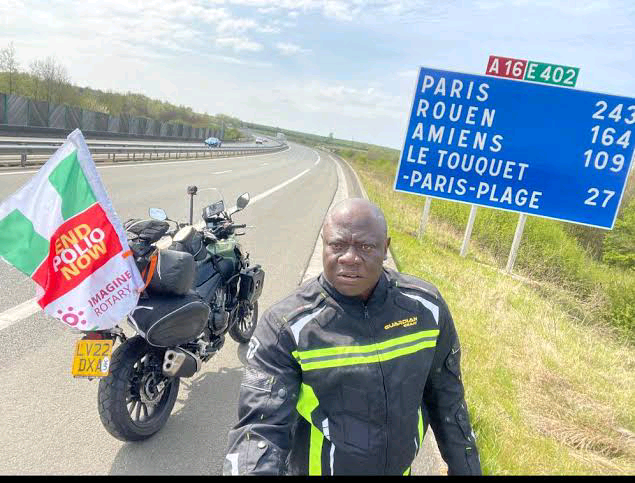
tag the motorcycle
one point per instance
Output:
(199, 287)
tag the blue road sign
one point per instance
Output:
(536, 149)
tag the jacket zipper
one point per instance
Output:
(383, 381)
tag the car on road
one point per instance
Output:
(259, 140)
(213, 142)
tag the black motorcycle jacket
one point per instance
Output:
(335, 386)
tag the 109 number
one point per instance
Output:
(601, 160)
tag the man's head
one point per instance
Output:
(355, 246)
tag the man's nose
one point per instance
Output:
(350, 256)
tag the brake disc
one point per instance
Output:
(150, 391)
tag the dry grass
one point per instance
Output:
(550, 391)
(573, 418)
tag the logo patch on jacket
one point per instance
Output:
(401, 323)
(256, 379)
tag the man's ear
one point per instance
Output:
(386, 249)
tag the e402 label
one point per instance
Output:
(529, 70)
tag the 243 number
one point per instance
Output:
(616, 113)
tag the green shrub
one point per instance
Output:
(619, 244)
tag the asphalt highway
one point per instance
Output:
(50, 423)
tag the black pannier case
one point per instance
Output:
(170, 320)
(148, 230)
(174, 273)
(252, 280)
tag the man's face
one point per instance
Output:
(354, 250)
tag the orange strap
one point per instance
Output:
(149, 270)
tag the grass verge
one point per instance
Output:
(549, 392)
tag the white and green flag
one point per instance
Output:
(61, 230)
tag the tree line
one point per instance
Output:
(47, 79)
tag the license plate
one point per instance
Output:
(92, 358)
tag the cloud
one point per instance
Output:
(338, 10)
(235, 60)
(290, 49)
(267, 10)
(210, 15)
(342, 10)
(408, 73)
(239, 44)
(235, 25)
(268, 29)
(358, 102)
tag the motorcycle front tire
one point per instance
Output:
(243, 329)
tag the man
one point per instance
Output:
(345, 374)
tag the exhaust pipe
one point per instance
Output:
(180, 363)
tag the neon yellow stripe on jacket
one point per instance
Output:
(369, 359)
(357, 349)
(307, 402)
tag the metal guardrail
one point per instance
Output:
(123, 152)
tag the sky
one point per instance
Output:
(346, 67)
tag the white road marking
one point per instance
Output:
(138, 165)
(30, 307)
(17, 313)
(209, 189)
(276, 188)
(359, 181)
(318, 159)
(314, 268)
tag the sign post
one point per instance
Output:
(527, 147)
(468, 231)
(516, 243)
(424, 217)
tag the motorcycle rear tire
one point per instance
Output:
(119, 394)
(242, 330)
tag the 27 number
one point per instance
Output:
(594, 192)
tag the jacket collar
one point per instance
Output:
(377, 298)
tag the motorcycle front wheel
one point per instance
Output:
(244, 327)
(135, 400)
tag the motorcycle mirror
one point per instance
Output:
(242, 201)
(157, 214)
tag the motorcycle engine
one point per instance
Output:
(218, 316)
(218, 320)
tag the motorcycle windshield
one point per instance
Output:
(213, 202)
